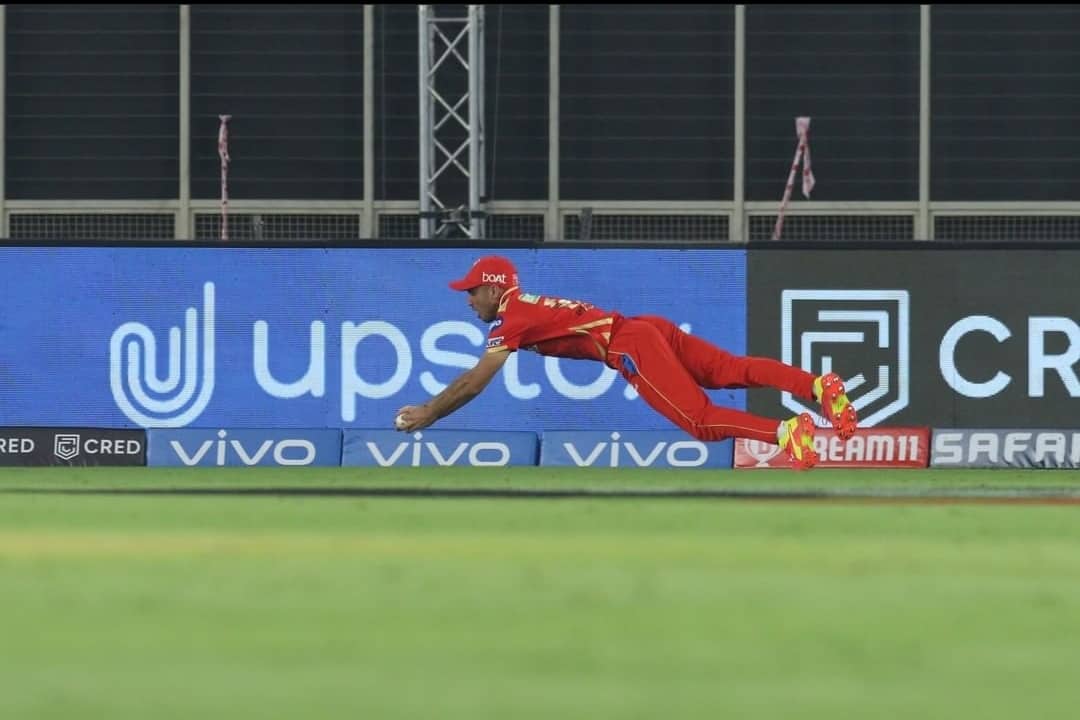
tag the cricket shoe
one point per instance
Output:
(796, 437)
(835, 405)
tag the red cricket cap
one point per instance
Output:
(488, 270)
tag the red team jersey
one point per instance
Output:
(666, 366)
(551, 326)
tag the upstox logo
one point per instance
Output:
(179, 397)
(860, 334)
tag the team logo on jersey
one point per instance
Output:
(498, 322)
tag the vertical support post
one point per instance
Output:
(924, 226)
(367, 225)
(552, 225)
(736, 230)
(183, 215)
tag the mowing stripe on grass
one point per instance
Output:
(984, 495)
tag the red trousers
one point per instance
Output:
(669, 368)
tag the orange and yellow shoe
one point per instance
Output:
(835, 405)
(796, 438)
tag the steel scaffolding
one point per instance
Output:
(443, 99)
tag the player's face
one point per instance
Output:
(484, 300)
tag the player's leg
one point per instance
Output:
(713, 367)
(649, 364)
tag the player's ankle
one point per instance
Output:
(782, 432)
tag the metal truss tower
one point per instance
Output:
(452, 123)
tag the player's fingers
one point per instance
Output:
(415, 421)
(404, 419)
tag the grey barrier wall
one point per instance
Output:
(947, 338)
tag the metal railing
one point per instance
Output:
(556, 218)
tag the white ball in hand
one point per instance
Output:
(399, 422)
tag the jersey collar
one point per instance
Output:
(507, 296)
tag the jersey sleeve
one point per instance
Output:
(508, 331)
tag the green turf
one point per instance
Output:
(537, 478)
(358, 607)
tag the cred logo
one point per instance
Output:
(862, 334)
(66, 447)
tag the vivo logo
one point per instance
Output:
(682, 453)
(438, 448)
(632, 449)
(293, 451)
(478, 454)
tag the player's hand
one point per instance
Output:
(414, 417)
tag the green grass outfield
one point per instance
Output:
(121, 600)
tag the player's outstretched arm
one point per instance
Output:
(467, 386)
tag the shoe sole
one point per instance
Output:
(848, 420)
(846, 424)
(810, 456)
